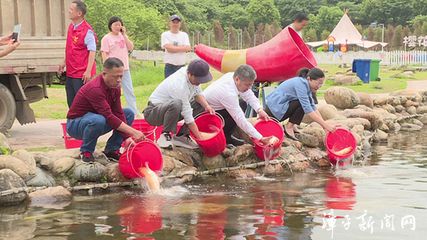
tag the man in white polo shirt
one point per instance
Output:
(223, 96)
(176, 44)
(171, 101)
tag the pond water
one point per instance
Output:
(384, 197)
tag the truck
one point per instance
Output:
(26, 73)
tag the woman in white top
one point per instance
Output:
(117, 44)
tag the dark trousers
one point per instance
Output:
(91, 126)
(168, 114)
(229, 126)
(72, 86)
(295, 113)
(171, 69)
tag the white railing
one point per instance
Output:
(393, 58)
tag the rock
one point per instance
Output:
(323, 163)
(299, 166)
(40, 157)
(4, 145)
(62, 165)
(373, 117)
(113, 174)
(328, 111)
(412, 110)
(399, 108)
(242, 174)
(422, 109)
(318, 132)
(358, 129)
(308, 140)
(341, 97)
(351, 122)
(190, 157)
(382, 100)
(384, 127)
(17, 166)
(380, 136)
(228, 152)
(213, 162)
(101, 158)
(410, 103)
(42, 178)
(394, 100)
(27, 158)
(50, 196)
(416, 122)
(70, 153)
(409, 127)
(241, 154)
(273, 170)
(410, 94)
(185, 174)
(389, 108)
(366, 99)
(84, 172)
(314, 153)
(345, 79)
(10, 180)
(168, 164)
(423, 119)
(397, 127)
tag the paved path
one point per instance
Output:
(48, 133)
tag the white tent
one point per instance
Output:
(346, 33)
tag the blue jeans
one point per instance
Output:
(91, 126)
(128, 91)
(171, 69)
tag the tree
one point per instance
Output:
(390, 11)
(420, 7)
(389, 34)
(218, 32)
(247, 39)
(263, 11)
(378, 35)
(235, 15)
(144, 24)
(259, 34)
(251, 28)
(326, 19)
(289, 8)
(310, 35)
(268, 32)
(397, 40)
(325, 34)
(232, 37)
(276, 28)
(370, 33)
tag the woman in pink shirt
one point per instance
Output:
(117, 44)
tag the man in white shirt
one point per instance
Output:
(176, 44)
(171, 101)
(223, 96)
(299, 23)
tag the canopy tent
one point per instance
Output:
(346, 33)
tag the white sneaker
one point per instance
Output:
(185, 142)
(165, 141)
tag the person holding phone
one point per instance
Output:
(11, 43)
(117, 44)
(80, 51)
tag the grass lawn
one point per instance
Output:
(146, 76)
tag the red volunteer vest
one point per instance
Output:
(76, 53)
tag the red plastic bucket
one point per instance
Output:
(137, 156)
(269, 128)
(151, 132)
(69, 141)
(337, 141)
(211, 123)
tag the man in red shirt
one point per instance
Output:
(97, 110)
(80, 51)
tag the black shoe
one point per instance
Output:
(289, 136)
(235, 141)
(113, 156)
(87, 157)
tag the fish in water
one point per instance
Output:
(343, 151)
(151, 178)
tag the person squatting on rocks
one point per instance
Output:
(171, 101)
(176, 43)
(117, 44)
(80, 50)
(293, 98)
(97, 109)
(223, 95)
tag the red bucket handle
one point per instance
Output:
(219, 115)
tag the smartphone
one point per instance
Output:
(16, 32)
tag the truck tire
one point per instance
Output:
(7, 108)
